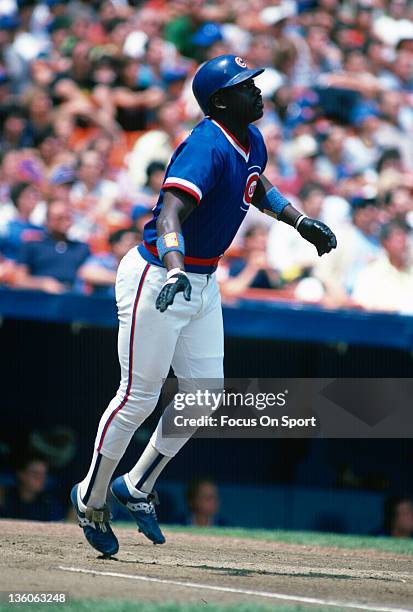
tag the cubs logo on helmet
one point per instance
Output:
(240, 62)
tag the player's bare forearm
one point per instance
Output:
(270, 201)
(289, 215)
(177, 206)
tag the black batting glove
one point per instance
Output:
(174, 284)
(318, 233)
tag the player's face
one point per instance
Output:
(245, 101)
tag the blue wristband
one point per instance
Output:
(274, 201)
(172, 241)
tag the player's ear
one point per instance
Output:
(217, 101)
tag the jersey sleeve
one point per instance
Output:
(265, 157)
(261, 146)
(195, 169)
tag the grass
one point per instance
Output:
(94, 605)
(306, 538)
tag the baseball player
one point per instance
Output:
(167, 295)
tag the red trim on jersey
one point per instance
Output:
(194, 261)
(234, 138)
(184, 188)
(132, 335)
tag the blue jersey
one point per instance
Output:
(222, 176)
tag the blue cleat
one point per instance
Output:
(95, 525)
(140, 508)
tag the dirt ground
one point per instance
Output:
(32, 554)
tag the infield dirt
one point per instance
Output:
(31, 553)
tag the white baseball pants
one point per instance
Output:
(188, 335)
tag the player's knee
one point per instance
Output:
(200, 396)
(136, 409)
(200, 385)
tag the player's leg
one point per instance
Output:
(197, 363)
(132, 489)
(146, 345)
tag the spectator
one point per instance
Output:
(92, 195)
(7, 271)
(14, 134)
(203, 504)
(81, 69)
(302, 154)
(286, 252)
(390, 159)
(22, 48)
(387, 283)
(39, 105)
(98, 273)
(49, 147)
(157, 144)
(399, 205)
(25, 197)
(107, 86)
(262, 53)
(51, 263)
(91, 186)
(146, 25)
(182, 26)
(148, 194)
(133, 99)
(8, 164)
(398, 518)
(253, 270)
(396, 126)
(359, 245)
(140, 217)
(155, 173)
(401, 76)
(330, 165)
(29, 498)
(363, 150)
(89, 110)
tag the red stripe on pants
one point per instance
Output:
(132, 335)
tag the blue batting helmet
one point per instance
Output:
(220, 72)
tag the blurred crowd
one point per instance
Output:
(32, 494)
(94, 97)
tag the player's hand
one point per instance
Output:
(319, 234)
(176, 283)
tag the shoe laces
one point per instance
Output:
(153, 500)
(150, 502)
(145, 505)
(100, 517)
